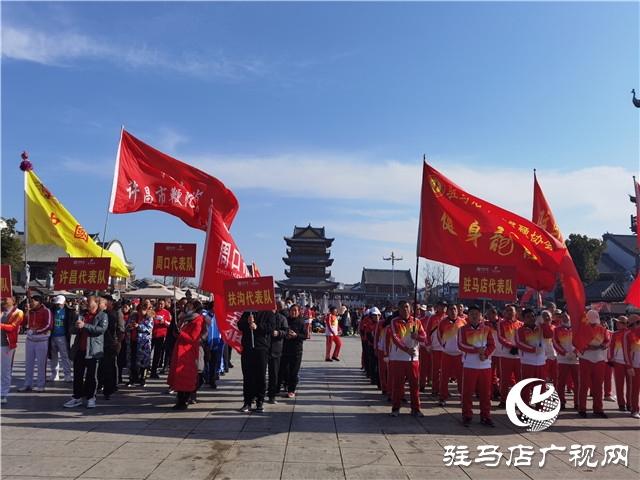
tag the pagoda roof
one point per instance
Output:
(298, 260)
(309, 234)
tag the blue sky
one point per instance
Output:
(320, 113)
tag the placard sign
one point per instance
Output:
(5, 280)
(82, 273)
(174, 259)
(251, 293)
(488, 282)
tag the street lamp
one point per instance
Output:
(393, 259)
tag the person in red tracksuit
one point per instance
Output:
(406, 333)
(425, 356)
(568, 363)
(509, 359)
(615, 359)
(592, 367)
(530, 340)
(433, 345)
(475, 341)
(379, 341)
(492, 319)
(451, 355)
(631, 350)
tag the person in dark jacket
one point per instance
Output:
(87, 348)
(257, 330)
(275, 354)
(107, 367)
(292, 350)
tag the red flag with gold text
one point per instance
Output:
(147, 179)
(456, 227)
(571, 283)
(222, 261)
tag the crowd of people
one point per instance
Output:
(485, 354)
(93, 342)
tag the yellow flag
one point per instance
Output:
(49, 223)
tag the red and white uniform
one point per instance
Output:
(432, 342)
(531, 346)
(11, 320)
(509, 363)
(425, 357)
(476, 373)
(451, 354)
(39, 325)
(592, 368)
(568, 363)
(615, 354)
(401, 363)
(631, 351)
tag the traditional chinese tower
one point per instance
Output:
(308, 259)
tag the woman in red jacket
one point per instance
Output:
(183, 373)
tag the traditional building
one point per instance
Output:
(383, 286)
(308, 259)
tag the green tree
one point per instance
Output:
(586, 253)
(12, 250)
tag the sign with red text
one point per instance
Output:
(251, 293)
(82, 273)
(174, 259)
(488, 282)
(5, 281)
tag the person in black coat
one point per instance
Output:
(292, 350)
(275, 353)
(257, 330)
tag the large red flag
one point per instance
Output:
(636, 185)
(456, 228)
(146, 179)
(222, 261)
(633, 295)
(569, 279)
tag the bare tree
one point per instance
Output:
(435, 275)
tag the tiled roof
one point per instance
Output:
(605, 290)
(387, 277)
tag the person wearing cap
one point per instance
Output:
(381, 351)
(12, 318)
(363, 326)
(406, 333)
(63, 318)
(568, 363)
(433, 346)
(39, 324)
(370, 358)
(631, 350)
(530, 339)
(475, 341)
(451, 354)
(508, 352)
(615, 359)
(592, 367)
(332, 336)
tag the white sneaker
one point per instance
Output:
(3, 399)
(52, 378)
(74, 402)
(610, 398)
(633, 415)
(91, 403)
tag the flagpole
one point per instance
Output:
(25, 163)
(418, 245)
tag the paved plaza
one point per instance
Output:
(337, 427)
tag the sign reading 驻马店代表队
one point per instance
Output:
(177, 259)
(489, 282)
(251, 293)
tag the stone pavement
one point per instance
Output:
(337, 427)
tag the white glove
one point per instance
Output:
(386, 359)
(539, 320)
(539, 350)
(30, 332)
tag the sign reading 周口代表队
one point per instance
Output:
(177, 259)
(251, 293)
(82, 273)
(490, 282)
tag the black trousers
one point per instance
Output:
(290, 369)
(274, 376)
(108, 373)
(254, 370)
(157, 344)
(85, 375)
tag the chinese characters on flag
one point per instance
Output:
(146, 179)
(456, 228)
(5, 281)
(174, 259)
(82, 273)
(222, 261)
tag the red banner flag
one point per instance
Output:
(636, 185)
(633, 295)
(146, 179)
(456, 228)
(571, 283)
(222, 261)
